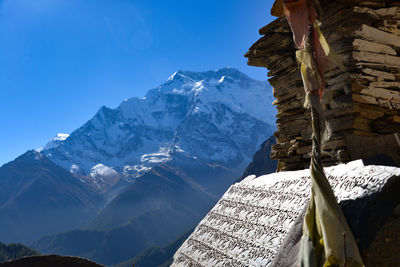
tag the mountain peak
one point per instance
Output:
(54, 142)
(208, 75)
(193, 84)
(218, 116)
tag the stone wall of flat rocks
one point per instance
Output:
(362, 104)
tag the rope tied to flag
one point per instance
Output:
(327, 239)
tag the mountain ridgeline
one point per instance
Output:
(14, 251)
(38, 197)
(139, 175)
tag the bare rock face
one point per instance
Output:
(262, 163)
(50, 261)
(361, 104)
(384, 249)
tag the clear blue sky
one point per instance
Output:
(61, 60)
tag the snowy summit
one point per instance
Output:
(219, 116)
(56, 141)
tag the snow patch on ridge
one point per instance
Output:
(132, 172)
(163, 155)
(103, 176)
(102, 170)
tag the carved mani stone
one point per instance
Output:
(258, 221)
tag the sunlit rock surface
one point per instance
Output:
(250, 222)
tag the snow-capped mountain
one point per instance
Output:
(217, 116)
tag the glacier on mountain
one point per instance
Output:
(217, 116)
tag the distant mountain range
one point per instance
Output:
(141, 174)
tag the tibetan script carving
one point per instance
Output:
(248, 224)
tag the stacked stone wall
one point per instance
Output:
(362, 103)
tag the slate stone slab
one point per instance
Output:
(252, 220)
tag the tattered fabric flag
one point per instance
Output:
(303, 19)
(327, 239)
